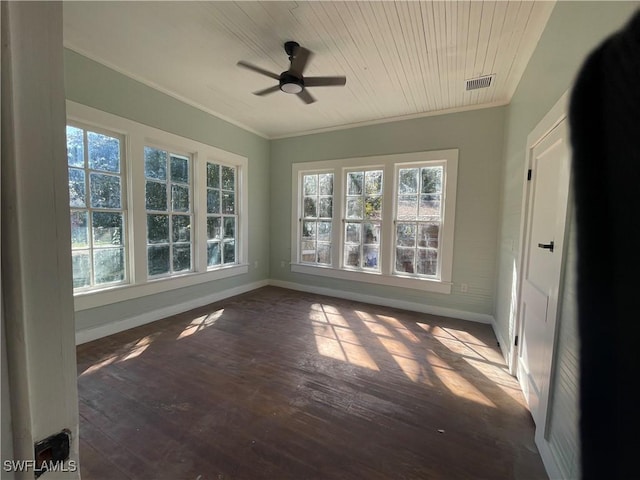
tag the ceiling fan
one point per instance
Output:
(292, 80)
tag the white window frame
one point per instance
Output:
(90, 209)
(136, 136)
(170, 213)
(386, 275)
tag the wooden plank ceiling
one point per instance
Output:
(401, 59)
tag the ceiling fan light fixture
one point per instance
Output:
(290, 83)
(291, 87)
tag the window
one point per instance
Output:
(174, 216)
(98, 211)
(394, 224)
(221, 215)
(317, 208)
(363, 216)
(168, 205)
(418, 219)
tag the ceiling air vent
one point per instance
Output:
(480, 82)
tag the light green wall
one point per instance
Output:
(572, 31)
(90, 83)
(477, 134)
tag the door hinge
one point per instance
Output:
(516, 342)
(529, 175)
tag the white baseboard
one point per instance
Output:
(89, 334)
(387, 302)
(550, 464)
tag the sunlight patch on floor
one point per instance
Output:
(461, 387)
(97, 366)
(200, 323)
(137, 350)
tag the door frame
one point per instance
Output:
(550, 121)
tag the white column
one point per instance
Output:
(36, 261)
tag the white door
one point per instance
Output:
(542, 266)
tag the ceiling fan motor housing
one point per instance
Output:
(290, 83)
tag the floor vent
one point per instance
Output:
(480, 82)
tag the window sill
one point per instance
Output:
(120, 293)
(424, 284)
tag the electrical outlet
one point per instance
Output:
(464, 288)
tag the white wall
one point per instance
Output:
(477, 134)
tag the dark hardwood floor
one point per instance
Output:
(278, 384)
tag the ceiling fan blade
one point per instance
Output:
(300, 59)
(306, 97)
(324, 81)
(262, 71)
(267, 91)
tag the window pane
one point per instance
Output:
(179, 198)
(158, 259)
(309, 252)
(107, 228)
(408, 180)
(429, 207)
(432, 180)
(181, 258)
(181, 228)
(373, 182)
(156, 193)
(371, 233)
(213, 254)
(325, 207)
(214, 228)
(179, 169)
(81, 268)
(77, 196)
(108, 265)
(79, 230)
(310, 184)
(354, 183)
(326, 184)
(75, 147)
(310, 207)
(105, 190)
(104, 152)
(157, 228)
(373, 208)
(427, 262)
(213, 201)
(352, 233)
(228, 178)
(229, 252)
(324, 254)
(352, 256)
(354, 207)
(155, 163)
(428, 234)
(213, 175)
(308, 229)
(404, 259)
(407, 207)
(228, 203)
(324, 231)
(370, 256)
(229, 227)
(406, 234)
